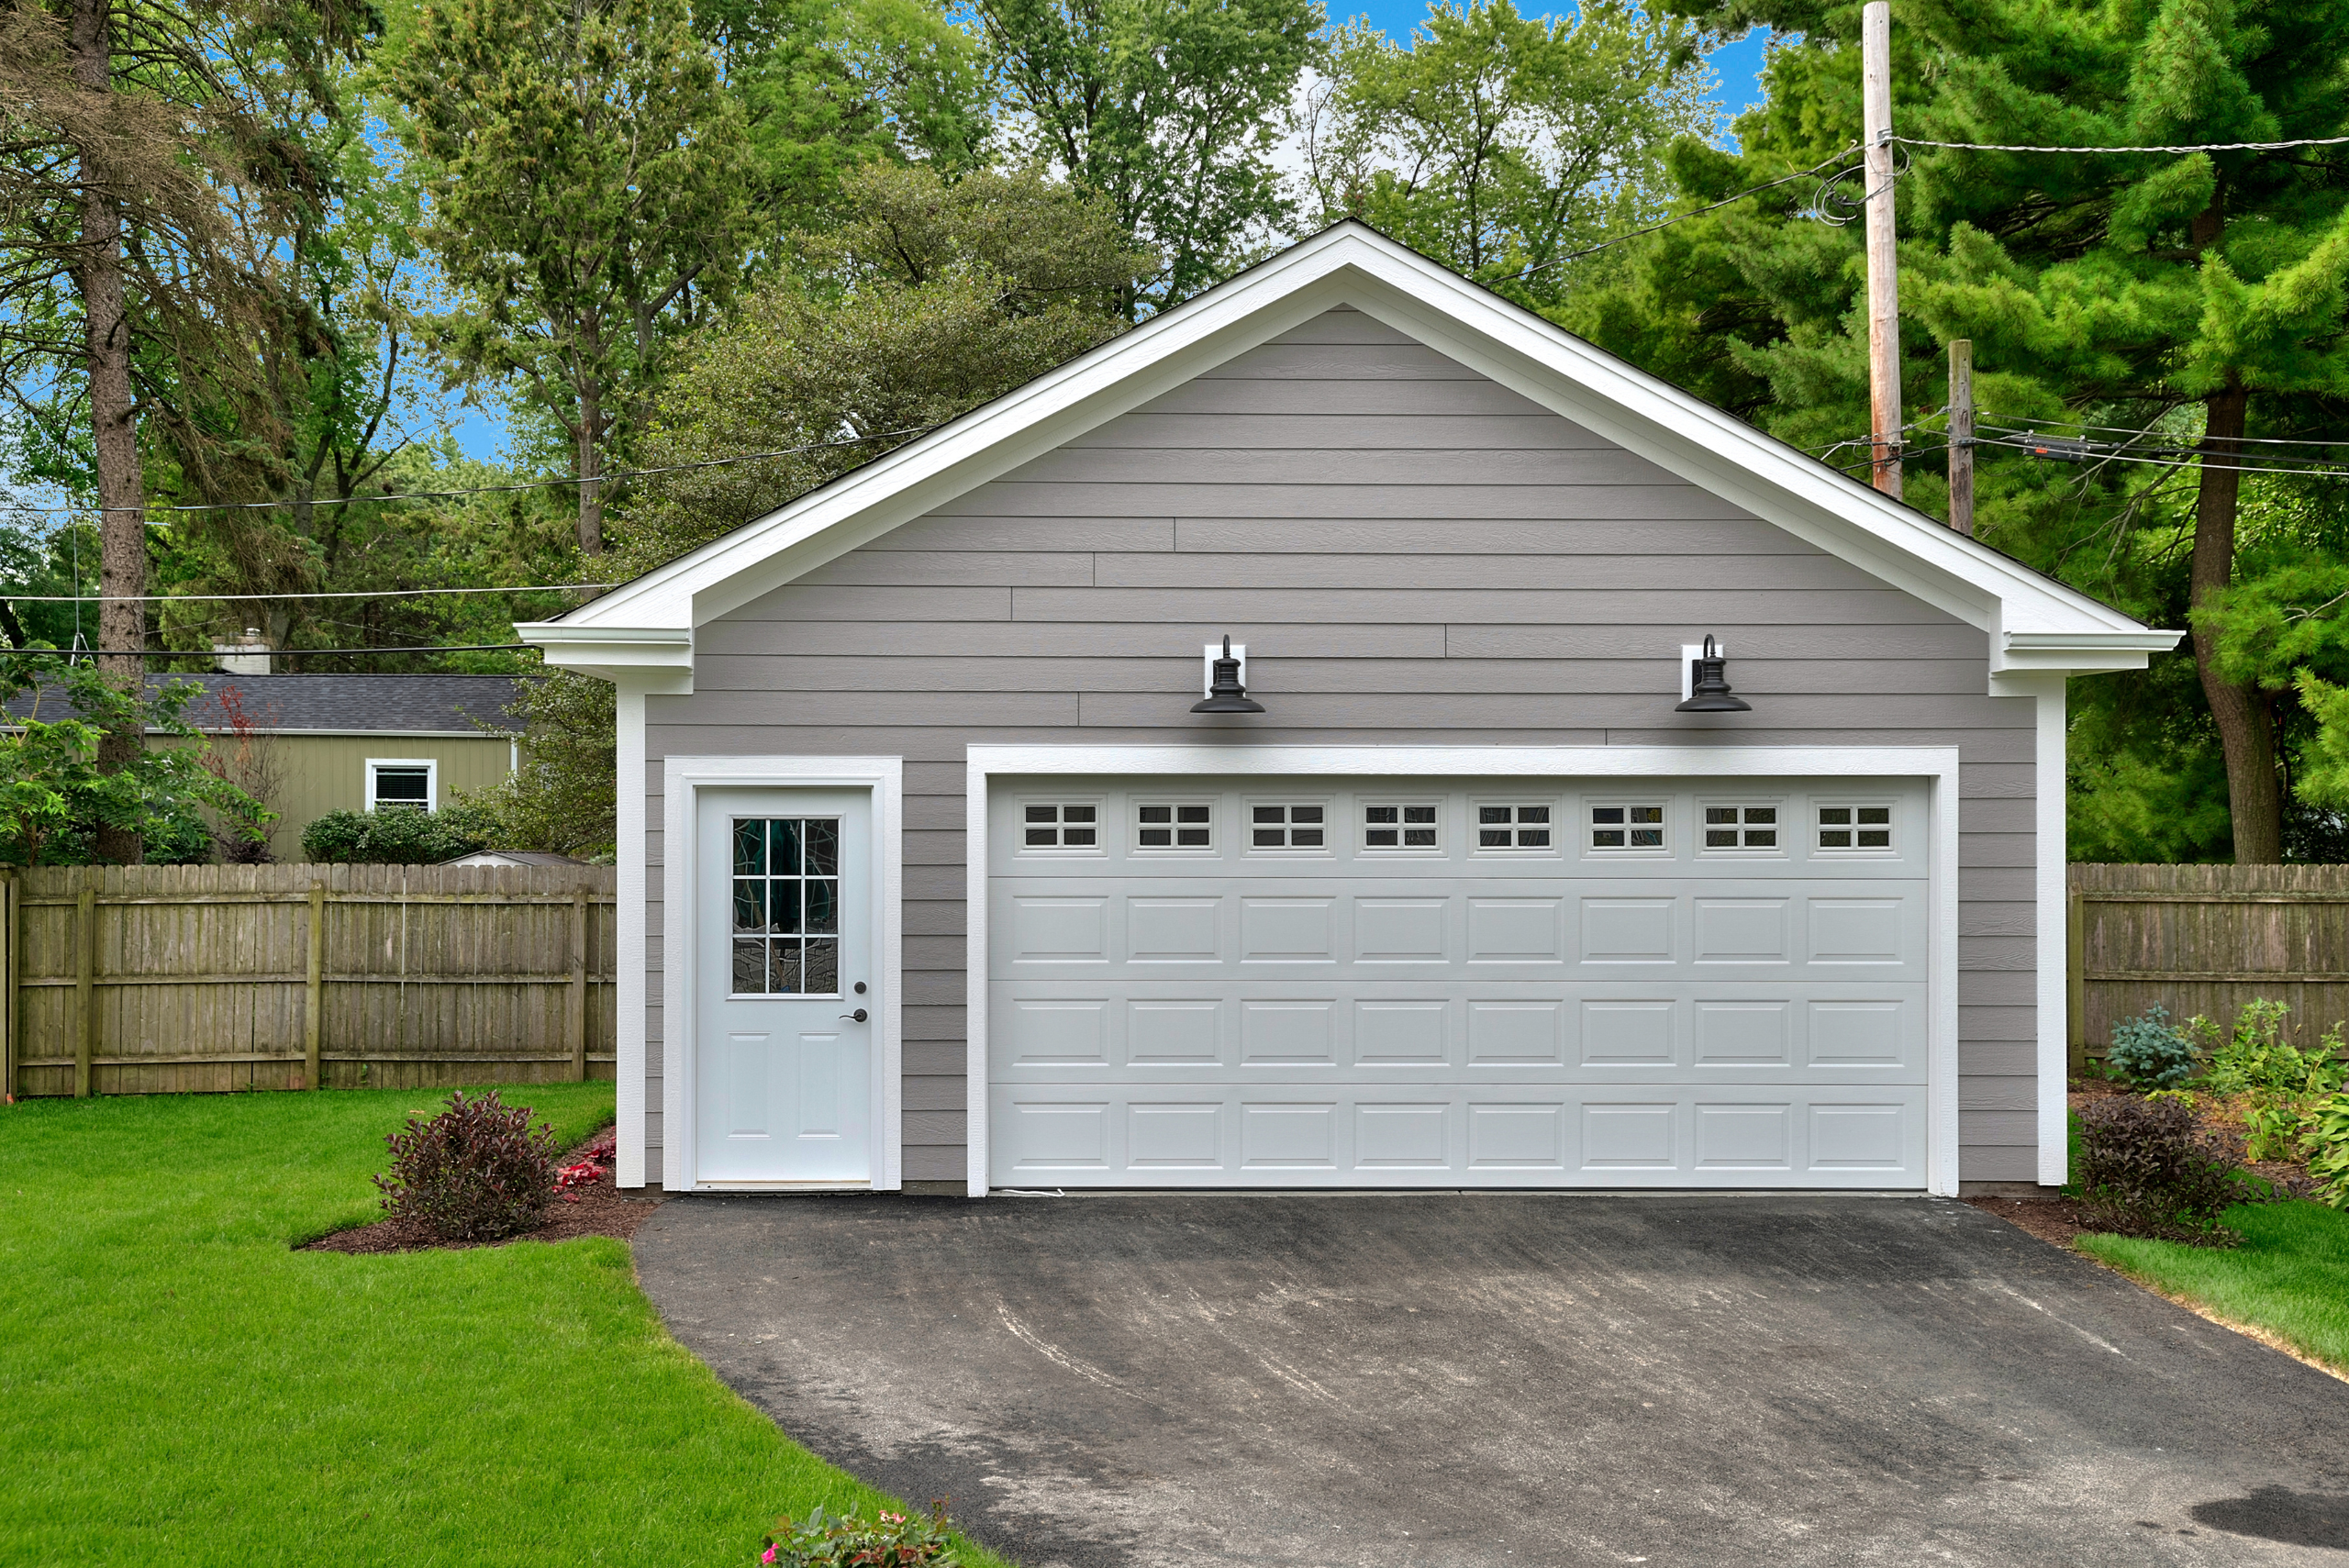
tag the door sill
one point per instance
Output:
(783, 1186)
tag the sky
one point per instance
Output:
(482, 435)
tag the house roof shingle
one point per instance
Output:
(391, 704)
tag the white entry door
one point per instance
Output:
(784, 1067)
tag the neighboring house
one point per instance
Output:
(931, 871)
(516, 857)
(349, 742)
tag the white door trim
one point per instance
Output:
(682, 780)
(1937, 765)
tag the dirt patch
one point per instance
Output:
(2057, 1220)
(600, 1211)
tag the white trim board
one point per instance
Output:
(1936, 765)
(682, 780)
(2034, 622)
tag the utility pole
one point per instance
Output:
(1884, 279)
(1961, 435)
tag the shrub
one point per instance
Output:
(477, 1172)
(2144, 1170)
(2327, 1142)
(890, 1540)
(2148, 1052)
(398, 835)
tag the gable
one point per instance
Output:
(1426, 349)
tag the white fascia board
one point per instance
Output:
(2023, 653)
(654, 658)
(1351, 265)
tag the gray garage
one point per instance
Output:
(934, 876)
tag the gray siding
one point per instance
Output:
(1413, 554)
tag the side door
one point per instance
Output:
(784, 1058)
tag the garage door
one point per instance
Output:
(1378, 982)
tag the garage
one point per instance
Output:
(1370, 981)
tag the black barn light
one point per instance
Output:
(1709, 692)
(1226, 695)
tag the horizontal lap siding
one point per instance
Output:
(1412, 555)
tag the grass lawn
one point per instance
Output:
(177, 1385)
(2289, 1277)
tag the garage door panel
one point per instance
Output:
(1294, 1134)
(1255, 1012)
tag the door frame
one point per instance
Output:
(682, 780)
(1936, 765)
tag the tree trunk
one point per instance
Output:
(2246, 728)
(589, 457)
(122, 527)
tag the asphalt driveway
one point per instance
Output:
(1493, 1379)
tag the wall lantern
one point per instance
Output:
(1709, 684)
(1225, 694)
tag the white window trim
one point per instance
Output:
(1937, 766)
(682, 780)
(431, 766)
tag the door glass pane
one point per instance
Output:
(785, 886)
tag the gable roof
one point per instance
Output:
(278, 704)
(644, 629)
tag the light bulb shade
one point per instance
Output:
(1709, 687)
(1225, 694)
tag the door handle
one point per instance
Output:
(858, 1015)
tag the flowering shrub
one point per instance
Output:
(595, 1163)
(889, 1540)
(477, 1172)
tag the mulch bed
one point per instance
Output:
(600, 1211)
(2061, 1221)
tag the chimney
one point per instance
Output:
(247, 656)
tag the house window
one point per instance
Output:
(1855, 827)
(403, 781)
(1512, 827)
(787, 907)
(1405, 825)
(1627, 828)
(1060, 825)
(1741, 827)
(1289, 826)
(1174, 825)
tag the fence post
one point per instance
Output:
(2076, 976)
(11, 945)
(85, 982)
(314, 1008)
(578, 999)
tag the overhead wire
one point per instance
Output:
(2197, 147)
(243, 598)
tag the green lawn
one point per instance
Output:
(2291, 1276)
(177, 1385)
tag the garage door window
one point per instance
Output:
(1060, 825)
(1741, 827)
(1174, 825)
(1855, 827)
(1407, 824)
(1627, 828)
(1294, 826)
(1513, 827)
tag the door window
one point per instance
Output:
(787, 907)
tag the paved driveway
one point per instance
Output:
(1498, 1379)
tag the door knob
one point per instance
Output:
(858, 1015)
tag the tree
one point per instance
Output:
(585, 175)
(563, 797)
(1165, 109)
(927, 301)
(2193, 299)
(127, 123)
(52, 785)
(1496, 143)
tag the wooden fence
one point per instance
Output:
(126, 980)
(2207, 939)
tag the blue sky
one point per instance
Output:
(1739, 65)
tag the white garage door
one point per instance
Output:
(1208, 983)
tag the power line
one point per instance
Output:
(2202, 147)
(244, 598)
(1667, 223)
(275, 652)
(2136, 431)
(488, 489)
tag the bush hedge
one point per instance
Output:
(398, 835)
